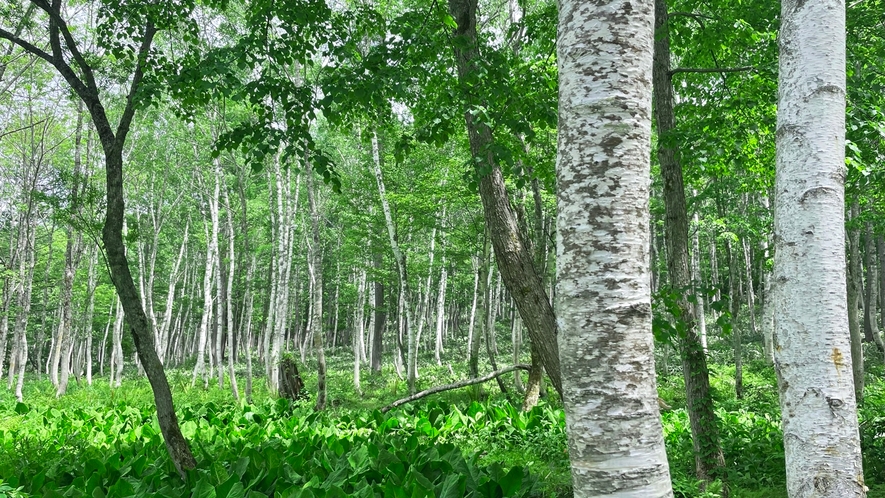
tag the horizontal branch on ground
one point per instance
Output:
(448, 387)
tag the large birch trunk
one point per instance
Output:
(603, 298)
(812, 360)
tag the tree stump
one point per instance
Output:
(291, 385)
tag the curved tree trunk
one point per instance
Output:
(514, 260)
(818, 406)
(603, 296)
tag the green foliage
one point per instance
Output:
(271, 448)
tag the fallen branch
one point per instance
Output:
(456, 385)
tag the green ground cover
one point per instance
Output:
(102, 442)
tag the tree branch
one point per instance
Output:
(22, 128)
(129, 111)
(62, 27)
(30, 48)
(692, 15)
(456, 385)
(711, 70)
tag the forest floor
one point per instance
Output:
(103, 442)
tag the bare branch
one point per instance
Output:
(711, 70)
(456, 385)
(29, 47)
(3, 134)
(692, 15)
(129, 111)
(62, 27)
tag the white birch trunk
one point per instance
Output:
(90, 309)
(359, 329)
(404, 311)
(440, 312)
(471, 328)
(603, 296)
(315, 268)
(116, 364)
(229, 297)
(220, 305)
(200, 366)
(166, 323)
(812, 350)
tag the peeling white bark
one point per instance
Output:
(812, 350)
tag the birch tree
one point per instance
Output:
(603, 295)
(812, 350)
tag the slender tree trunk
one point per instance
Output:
(229, 297)
(767, 309)
(315, 267)
(748, 279)
(514, 260)
(166, 323)
(116, 364)
(696, 278)
(736, 294)
(478, 313)
(359, 325)
(90, 309)
(400, 259)
(247, 327)
(206, 318)
(220, 305)
(516, 340)
(872, 295)
(853, 294)
(603, 298)
(880, 248)
(379, 318)
(709, 459)
(818, 406)
(490, 315)
(440, 312)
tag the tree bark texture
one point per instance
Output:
(709, 459)
(603, 295)
(812, 359)
(871, 292)
(855, 334)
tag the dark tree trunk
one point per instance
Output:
(291, 385)
(871, 292)
(514, 260)
(112, 235)
(378, 333)
(709, 459)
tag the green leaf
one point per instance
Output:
(512, 482)
(203, 490)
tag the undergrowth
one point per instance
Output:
(102, 442)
